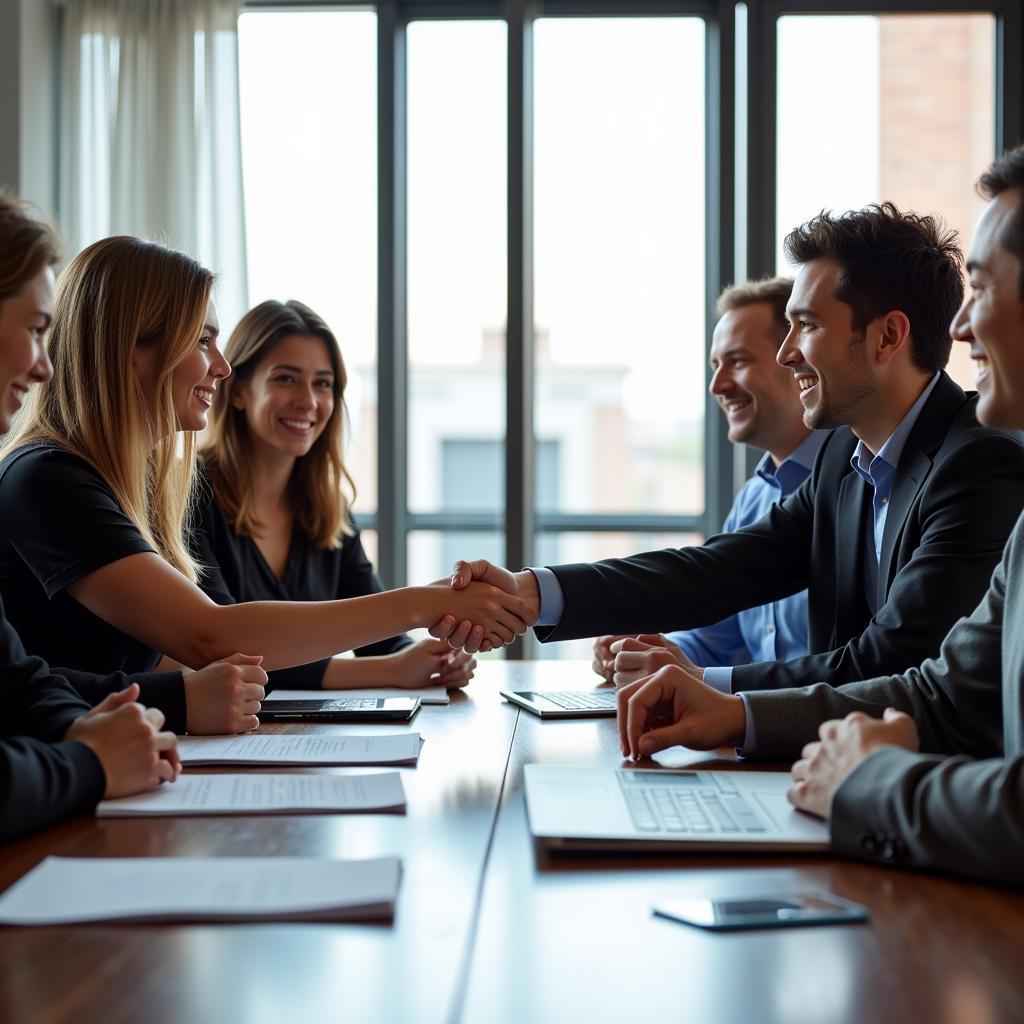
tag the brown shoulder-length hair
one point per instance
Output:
(320, 490)
(27, 245)
(119, 294)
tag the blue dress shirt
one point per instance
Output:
(770, 632)
(879, 472)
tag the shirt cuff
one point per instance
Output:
(749, 735)
(552, 600)
(719, 679)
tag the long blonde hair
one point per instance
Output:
(117, 294)
(319, 482)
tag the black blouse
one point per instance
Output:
(233, 569)
(60, 521)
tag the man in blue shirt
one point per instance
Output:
(761, 402)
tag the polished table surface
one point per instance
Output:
(488, 928)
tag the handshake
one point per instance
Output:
(485, 606)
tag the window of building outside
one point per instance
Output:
(902, 109)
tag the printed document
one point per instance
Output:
(262, 794)
(269, 749)
(71, 890)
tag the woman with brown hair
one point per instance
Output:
(274, 522)
(57, 757)
(94, 485)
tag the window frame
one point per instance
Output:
(725, 465)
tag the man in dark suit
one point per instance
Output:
(910, 499)
(958, 805)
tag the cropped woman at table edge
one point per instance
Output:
(273, 517)
(93, 495)
(57, 757)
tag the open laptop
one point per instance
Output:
(579, 808)
(345, 709)
(564, 703)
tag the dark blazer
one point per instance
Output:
(42, 776)
(959, 804)
(958, 490)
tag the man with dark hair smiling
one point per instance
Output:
(958, 805)
(908, 501)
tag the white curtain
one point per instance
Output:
(150, 135)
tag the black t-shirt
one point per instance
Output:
(233, 569)
(60, 521)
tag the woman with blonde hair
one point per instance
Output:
(93, 495)
(274, 521)
(57, 757)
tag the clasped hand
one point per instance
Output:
(128, 742)
(625, 658)
(503, 620)
(843, 745)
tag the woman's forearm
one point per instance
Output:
(289, 633)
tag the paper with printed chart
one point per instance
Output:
(256, 793)
(72, 890)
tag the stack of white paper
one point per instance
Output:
(427, 695)
(69, 890)
(262, 794)
(257, 749)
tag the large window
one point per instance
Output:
(518, 225)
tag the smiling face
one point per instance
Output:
(288, 398)
(826, 355)
(194, 382)
(991, 319)
(760, 399)
(24, 322)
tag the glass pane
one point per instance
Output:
(556, 548)
(308, 85)
(902, 109)
(456, 266)
(619, 263)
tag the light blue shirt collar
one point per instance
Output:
(863, 460)
(793, 469)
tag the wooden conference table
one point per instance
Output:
(489, 929)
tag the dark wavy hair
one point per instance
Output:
(890, 260)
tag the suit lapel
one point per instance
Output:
(851, 528)
(915, 464)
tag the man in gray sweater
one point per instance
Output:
(926, 769)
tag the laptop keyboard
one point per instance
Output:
(598, 700)
(684, 810)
